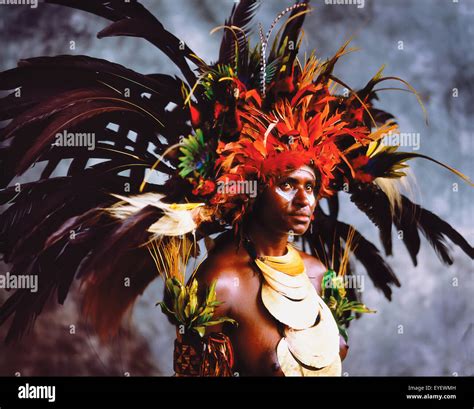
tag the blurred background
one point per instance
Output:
(427, 329)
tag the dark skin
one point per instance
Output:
(286, 206)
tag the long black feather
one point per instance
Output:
(241, 16)
(371, 200)
(132, 19)
(406, 221)
(436, 231)
(324, 231)
(367, 253)
(291, 34)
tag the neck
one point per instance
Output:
(267, 242)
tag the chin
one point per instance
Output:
(300, 228)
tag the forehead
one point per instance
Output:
(304, 173)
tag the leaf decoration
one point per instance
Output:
(185, 308)
(334, 294)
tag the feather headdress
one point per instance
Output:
(250, 115)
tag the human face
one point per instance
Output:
(288, 205)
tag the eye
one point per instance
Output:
(285, 185)
(309, 187)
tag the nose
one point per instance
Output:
(301, 198)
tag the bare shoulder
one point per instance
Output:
(221, 266)
(218, 265)
(314, 266)
(315, 269)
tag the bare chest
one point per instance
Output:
(256, 338)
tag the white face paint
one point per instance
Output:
(290, 194)
(311, 198)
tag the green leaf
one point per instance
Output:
(187, 311)
(185, 172)
(344, 334)
(164, 307)
(220, 321)
(172, 288)
(211, 294)
(327, 278)
(192, 304)
(185, 150)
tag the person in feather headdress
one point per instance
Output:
(249, 147)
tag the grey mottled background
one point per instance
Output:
(436, 316)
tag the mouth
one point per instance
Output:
(300, 217)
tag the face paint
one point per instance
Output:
(289, 195)
(308, 171)
(311, 198)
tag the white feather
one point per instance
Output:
(177, 220)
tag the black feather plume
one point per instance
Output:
(371, 200)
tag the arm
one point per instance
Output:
(214, 271)
(211, 354)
